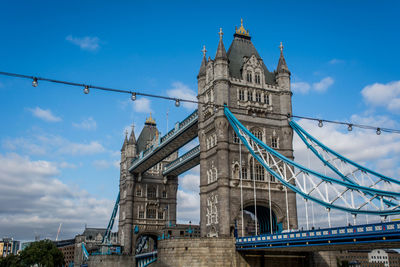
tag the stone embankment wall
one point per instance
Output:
(111, 261)
(198, 252)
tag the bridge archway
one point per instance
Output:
(263, 220)
(146, 242)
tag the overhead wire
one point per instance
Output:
(134, 94)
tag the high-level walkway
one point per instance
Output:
(367, 236)
(184, 132)
(183, 163)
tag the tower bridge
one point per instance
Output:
(248, 176)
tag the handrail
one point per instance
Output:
(182, 158)
(181, 125)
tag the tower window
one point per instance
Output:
(258, 134)
(249, 78)
(249, 95)
(274, 142)
(259, 172)
(241, 95)
(266, 99)
(257, 78)
(244, 173)
(141, 214)
(151, 213)
(151, 192)
(164, 194)
(258, 96)
(160, 215)
(138, 192)
(235, 138)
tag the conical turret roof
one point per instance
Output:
(221, 52)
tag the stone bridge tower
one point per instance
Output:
(147, 202)
(240, 79)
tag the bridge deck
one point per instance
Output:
(183, 163)
(353, 237)
(184, 132)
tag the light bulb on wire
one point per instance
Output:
(320, 124)
(350, 128)
(35, 82)
(133, 96)
(86, 90)
(378, 131)
(177, 103)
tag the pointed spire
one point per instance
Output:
(202, 70)
(282, 67)
(132, 139)
(221, 52)
(125, 141)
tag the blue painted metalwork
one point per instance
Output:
(367, 233)
(194, 152)
(106, 237)
(145, 259)
(236, 125)
(180, 127)
(85, 252)
(303, 134)
(301, 131)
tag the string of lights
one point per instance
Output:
(134, 94)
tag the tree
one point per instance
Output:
(42, 253)
(11, 261)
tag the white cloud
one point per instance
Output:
(86, 124)
(323, 85)
(301, 87)
(52, 144)
(188, 197)
(33, 201)
(188, 207)
(182, 91)
(44, 114)
(88, 43)
(384, 95)
(142, 105)
(320, 87)
(105, 164)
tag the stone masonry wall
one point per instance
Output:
(198, 252)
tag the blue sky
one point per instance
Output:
(59, 148)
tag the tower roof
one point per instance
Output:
(150, 121)
(125, 141)
(282, 67)
(132, 138)
(243, 47)
(147, 135)
(221, 52)
(202, 70)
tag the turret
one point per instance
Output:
(201, 77)
(221, 60)
(123, 149)
(282, 72)
(283, 80)
(131, 146)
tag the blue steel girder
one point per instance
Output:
(184, 132)
(357, 236)
(337, 194)
(183, 163)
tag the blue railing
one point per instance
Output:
(367, 233)
(187, 156)
(179, 127)
(145, 259)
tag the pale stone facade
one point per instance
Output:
(239, 78)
